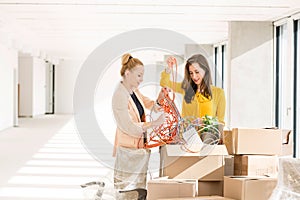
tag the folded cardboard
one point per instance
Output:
(255, 165)
(228, 141)
(287, 148)
(248, 188)
(169, 188)
(189, 166)
(201, 198)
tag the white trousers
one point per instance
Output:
(130, 171)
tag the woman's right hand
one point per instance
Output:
(160, 120)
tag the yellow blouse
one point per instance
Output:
(200, 105)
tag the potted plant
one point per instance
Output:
(210, 130)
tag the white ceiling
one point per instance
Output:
(72, 28)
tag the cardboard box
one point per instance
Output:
(201, 198)
(207, 188)
(255, 165)
(169, 188)
(178, 164)
(232, 143)
(229, 165)
(241, 141)
(247, 188)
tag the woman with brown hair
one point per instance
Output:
(200, 96)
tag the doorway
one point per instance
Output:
(50, 89)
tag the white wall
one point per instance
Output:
(250, 63)
(205, 49)
(8, 62)
(65, 78)
(32, 79)
(39, 82)
(25, 81)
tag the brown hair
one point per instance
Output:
(188, 84)
(128, 62)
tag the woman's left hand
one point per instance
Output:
(171, 61)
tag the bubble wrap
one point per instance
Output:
(288, 185)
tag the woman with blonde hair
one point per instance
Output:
(129, 106)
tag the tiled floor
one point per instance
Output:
(44, 159)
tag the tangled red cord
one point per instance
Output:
(167, 132)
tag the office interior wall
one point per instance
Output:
(251, 74)
(32, 86)
(205, 49)
(8, 62)
(39, 82)
(65, 78)
(26, 86)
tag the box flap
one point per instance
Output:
(177, 150)
(207, 165)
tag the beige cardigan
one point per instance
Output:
(129, 131)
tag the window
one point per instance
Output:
(296, 50)
(287, 86)
(280, 70)
(220, 72)
(220, 65)
(216, 55)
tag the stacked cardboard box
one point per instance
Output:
(252, 162)
(249, 188)
(207, 169)
(170, 188)
(243, 141)
(201, 198)
(255, 165)
(255, 154)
